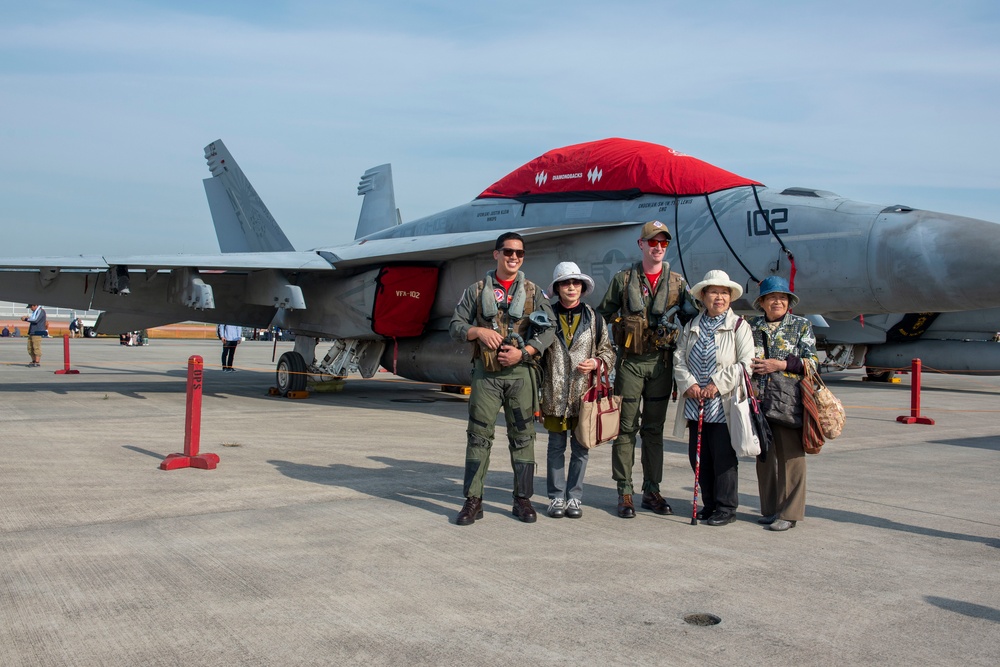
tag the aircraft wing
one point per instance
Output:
(247, 261)
(140, 291)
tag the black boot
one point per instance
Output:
(472, 510)
(524, 488)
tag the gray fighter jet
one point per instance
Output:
(883, 284)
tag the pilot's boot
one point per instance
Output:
(652, 500)
(524, 488)
(472, 510)
(626, 509)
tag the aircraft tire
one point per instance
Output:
(89, 332)
(880, 375)
(291, 373)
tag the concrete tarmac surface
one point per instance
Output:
(326, 534)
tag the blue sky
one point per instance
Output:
(105, 106)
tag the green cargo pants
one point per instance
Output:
(647, 378)
(512, 389)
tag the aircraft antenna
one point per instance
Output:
(788, 253)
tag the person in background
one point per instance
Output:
(581, 341)
(495, 315)
(74, 325)
(37, 328)
(784, 343)
(712, 354)
(230, 335)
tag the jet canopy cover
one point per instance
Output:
(612, 169)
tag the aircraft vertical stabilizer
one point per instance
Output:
(378, 210)
(242, 222)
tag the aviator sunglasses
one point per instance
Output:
(658, 242)
(511, 252)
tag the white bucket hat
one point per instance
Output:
(569, 271)
(717, 278)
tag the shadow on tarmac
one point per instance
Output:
(990, 442)
(965, 608)
(442, 483)
(879, 522)
(428, 485)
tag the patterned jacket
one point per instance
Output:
(563, 385)
(794, 340)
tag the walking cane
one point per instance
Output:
(697, 462)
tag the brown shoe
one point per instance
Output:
(625, 508)
(651, 500)
(523, 510)
(472, 510)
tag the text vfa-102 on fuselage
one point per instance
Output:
(884, 284)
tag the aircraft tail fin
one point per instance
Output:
(378, 210)
(242, 222)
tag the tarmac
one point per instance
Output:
(326, 534)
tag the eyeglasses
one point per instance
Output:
(658, 242)
(572, 281)
(511, 252)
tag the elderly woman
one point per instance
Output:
(581, 340)
(785, 343)
(709, 361)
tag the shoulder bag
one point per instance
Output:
(830, 414)
(600, 410)
(781, 399)
(742, 435)
(757, 418)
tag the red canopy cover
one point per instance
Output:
(612, 169)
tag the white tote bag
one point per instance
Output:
(741, 433)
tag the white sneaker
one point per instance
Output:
(573, 509)
(557, 508)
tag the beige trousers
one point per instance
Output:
(782, 476)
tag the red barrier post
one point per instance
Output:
(914, 416)
(66, 370)
(192, 424)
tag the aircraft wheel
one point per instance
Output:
(291, 373)
(89, 332)
(879, 375)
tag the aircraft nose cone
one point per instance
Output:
(920, 261)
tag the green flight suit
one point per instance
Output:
(513, 389)
(642, 380)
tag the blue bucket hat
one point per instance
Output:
(771, 285)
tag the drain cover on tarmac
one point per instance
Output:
(702, 619)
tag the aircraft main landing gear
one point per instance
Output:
(291, 373)
(879, 374)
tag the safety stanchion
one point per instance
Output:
(66, 370)
(192, 424)
(914, 417)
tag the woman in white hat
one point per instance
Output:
(711, 355)
(581, 341)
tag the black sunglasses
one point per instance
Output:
(510, 252)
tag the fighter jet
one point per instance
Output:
(883, 284)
